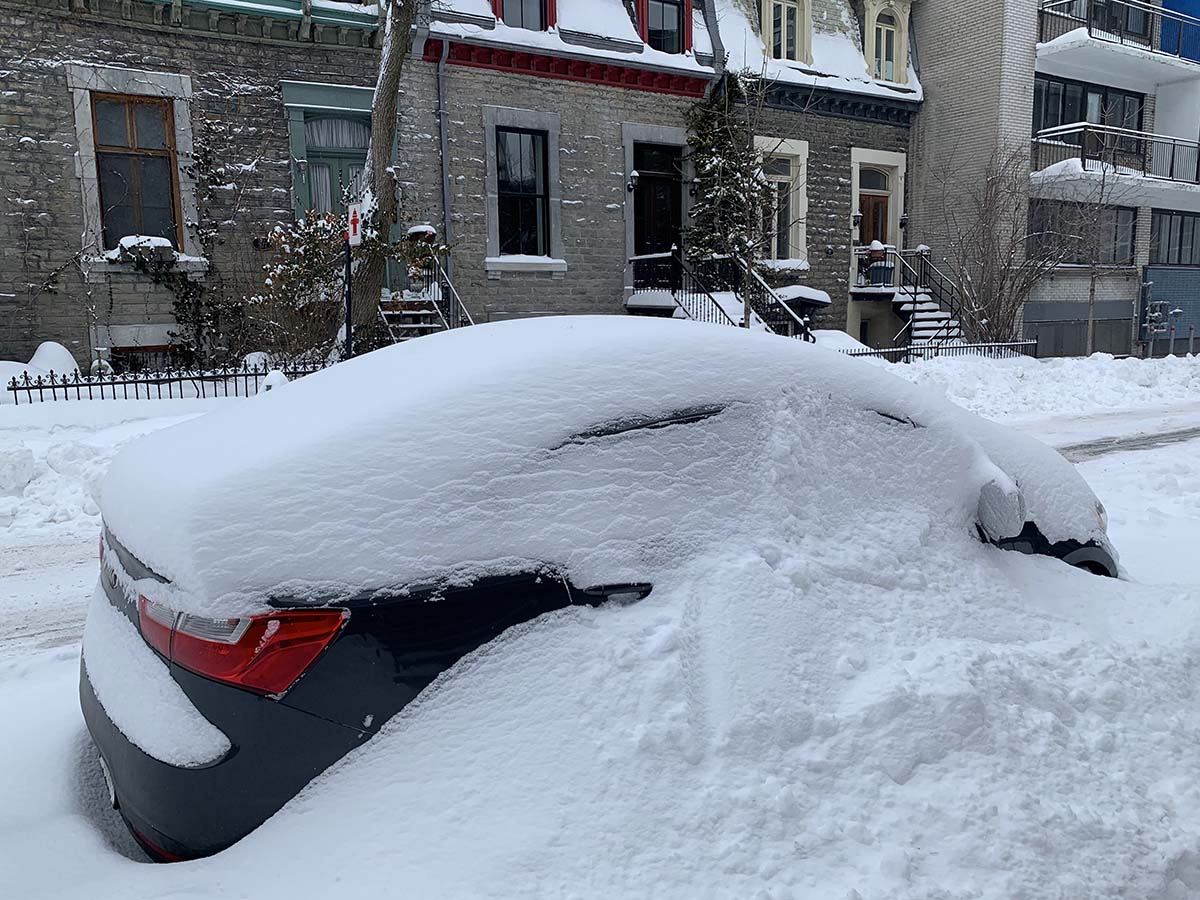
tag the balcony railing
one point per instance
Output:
(1118, 151)
(1127, 22)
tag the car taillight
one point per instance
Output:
(264, 654)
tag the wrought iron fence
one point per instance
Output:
(1129, 22)
(933, 350)
(1124, 151)
(231, 381)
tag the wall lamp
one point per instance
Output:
(694, 187)
(903, 221)
(856, 218)
(631, 184)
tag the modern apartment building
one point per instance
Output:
(1105, 96)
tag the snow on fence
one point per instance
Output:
(994, 350)
(230, 381)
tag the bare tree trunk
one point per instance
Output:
(379, 200)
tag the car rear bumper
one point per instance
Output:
(184, 813)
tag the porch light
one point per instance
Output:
(633, 180)
(903, 221)
(856, 218)
(694, 187)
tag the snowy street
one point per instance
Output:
(1087, 677)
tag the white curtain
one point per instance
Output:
(320, 181)
(336, 134)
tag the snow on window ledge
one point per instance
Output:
(796, 265)
(523, 263)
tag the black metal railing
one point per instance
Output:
(1122, 150)
(1128, 22)
(169, 384)
(913, 274)
(933, 350)
(734, 275)
(434, 284)
(669, 273)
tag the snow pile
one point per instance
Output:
(53, 457)
(49, 357)
(604, 18)
(1021, 388)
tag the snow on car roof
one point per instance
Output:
(453, 454)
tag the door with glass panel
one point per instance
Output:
(337, 152)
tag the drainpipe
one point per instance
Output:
(718, 46)
(444, 141)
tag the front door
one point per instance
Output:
(874, 225)
(657, 198)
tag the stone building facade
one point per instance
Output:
(255, 102)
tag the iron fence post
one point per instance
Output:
(1191, 339)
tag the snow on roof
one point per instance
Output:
(604, 18)
(341, 481)
(803, 293)
(838, 61)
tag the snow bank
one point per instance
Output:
(54, 455)
(1014, 389)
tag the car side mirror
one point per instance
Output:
(1001, 512)
(623, 594)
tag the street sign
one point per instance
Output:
(354, 232)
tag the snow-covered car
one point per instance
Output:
(282, 576)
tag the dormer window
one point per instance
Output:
(885, 47)
(664, 26)
(535, 15)
(786, 25)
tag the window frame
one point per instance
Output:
(531, 120)
(549, 13)
(803, 47)
(342, 158)
(167, 107)
(1043, 83)
(1176, 221)
(642, 9)
(796, 152)
(886, 30)
(1046, 217)
(542, 197)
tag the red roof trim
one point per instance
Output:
(561, 68)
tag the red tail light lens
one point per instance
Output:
(156, 622)
(264, 654)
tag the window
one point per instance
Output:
(885, 47)
(777, 216)
(529, 14)
(784, 167)
(664, 25)
(782, 26)
(1174, 238)
(1058, 101)
(522, 195)
(1081, 234)
(135, 167)
(336, 149)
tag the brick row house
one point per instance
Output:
(545, 140)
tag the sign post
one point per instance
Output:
(353, 236)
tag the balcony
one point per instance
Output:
(1082, 161)
(1135, 43)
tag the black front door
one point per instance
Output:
(657, 198)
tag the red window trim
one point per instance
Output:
(643, 16)
(551, 11)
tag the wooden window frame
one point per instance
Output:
(642, 8)
(803, 30)
(881, 30)
(549, 11)
(167, 105)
